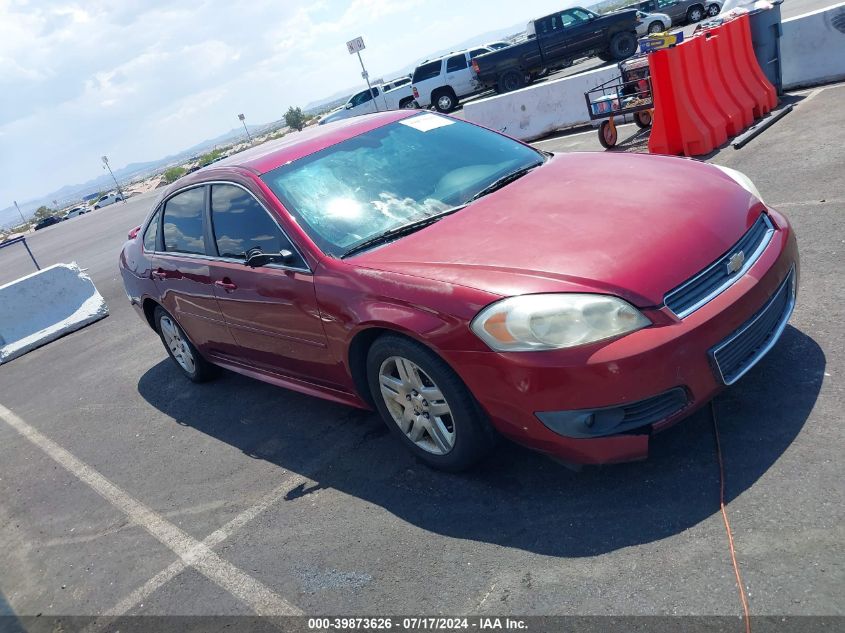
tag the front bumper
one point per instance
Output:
(518, 389)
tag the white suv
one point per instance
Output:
(442, 82)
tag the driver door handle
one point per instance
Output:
(158, 274)
(226, 284)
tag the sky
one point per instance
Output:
(137, 80)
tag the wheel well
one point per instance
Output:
(692, 6)
(405, 100)
(149, 311)
(441, 90)
(358, 349)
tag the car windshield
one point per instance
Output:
(392, 176)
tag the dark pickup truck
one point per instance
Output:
(555, 41)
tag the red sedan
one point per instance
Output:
(467, 285)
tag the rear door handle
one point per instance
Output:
(158, 274)
(228, 286)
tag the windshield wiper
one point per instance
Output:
(399, 231)
(504, 180)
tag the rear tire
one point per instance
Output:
(695, 14)
(408, 104)
(713, 10)
(181, 351)
(642, 119)
(511, 80)
(623, 45)
(444, 100)
(426, 405)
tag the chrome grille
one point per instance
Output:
(716, 278)
(741, 350)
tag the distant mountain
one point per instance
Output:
(71, 193)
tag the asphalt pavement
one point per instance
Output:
(125, 489)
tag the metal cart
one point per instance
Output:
(629, 93)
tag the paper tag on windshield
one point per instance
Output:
(426, 122)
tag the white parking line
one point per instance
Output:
(138, 596)
(190, 551)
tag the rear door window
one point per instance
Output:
(427, 71)
(183, 222)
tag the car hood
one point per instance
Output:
(631, 225)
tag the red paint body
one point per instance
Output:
(634, 226)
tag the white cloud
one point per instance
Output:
(139, 79)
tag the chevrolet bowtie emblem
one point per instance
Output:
(735, 262)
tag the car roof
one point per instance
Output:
(293, 146)
(440, 58)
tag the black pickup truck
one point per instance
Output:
(555, 41)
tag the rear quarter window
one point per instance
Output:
(151, 234)
(427, 71)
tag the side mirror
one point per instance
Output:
(256, 258)
(348, 105)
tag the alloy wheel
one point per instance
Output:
(177, 344)
(444, 103)
(417, 405)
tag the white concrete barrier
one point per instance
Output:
(812, 50)
(536, 111)
(43, 306)
(813, 47)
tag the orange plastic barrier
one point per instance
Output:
(763, 92)
(719, 90)
(704, 102)
(677, 127)
(706, 89)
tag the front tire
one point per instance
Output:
(623, 45)
(607, 135)
(180, 349)
(656, 27)
(426, 405)
(713, 10)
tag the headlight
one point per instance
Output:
(741, 179)
(554, 321)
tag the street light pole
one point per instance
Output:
(242, 119)
(106, 166)
(19, 211)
